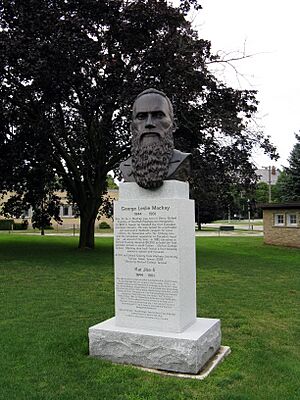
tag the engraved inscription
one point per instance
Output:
(146, 257)
(146, 240)
(151, 298)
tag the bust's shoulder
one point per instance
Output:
(126, 169)
(126, 163)
(179, 156)
(180, 166)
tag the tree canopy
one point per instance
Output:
(69, 73)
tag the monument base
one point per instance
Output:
(185, 352)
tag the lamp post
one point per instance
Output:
(249, 213)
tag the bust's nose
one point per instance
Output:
(149, 122)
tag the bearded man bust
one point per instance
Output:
(153, 157)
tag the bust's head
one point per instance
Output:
(152, 130)
(152, 115)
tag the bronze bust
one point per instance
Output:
(153, 157)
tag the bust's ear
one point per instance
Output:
(175, 126)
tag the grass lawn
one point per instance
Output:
(50, 293)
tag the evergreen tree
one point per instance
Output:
(262, 193)
(288, 184)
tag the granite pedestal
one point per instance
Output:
(185, 352)
(155, 285)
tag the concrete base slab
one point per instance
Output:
(185, 352)
(223, 352)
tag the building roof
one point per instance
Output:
(268, 175)
(276, 206)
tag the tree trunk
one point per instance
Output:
(87, 231)
(42, 219)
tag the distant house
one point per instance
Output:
(282, 224)
(268, 175)
(67, 213)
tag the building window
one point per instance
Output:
(292, 219)
(65, 211)
(279, 220)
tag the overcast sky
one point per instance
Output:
(270, 29)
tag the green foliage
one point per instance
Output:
(67, 89)
(104, 225)
(277, 189)
(6, 224)
(20, 226)
(39, 194)
(111, 184)
(288, 184)
(262, 192)
(53, 293)
(9, 224)
(261, 196)
(107, 208)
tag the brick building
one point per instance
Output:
(282, 224)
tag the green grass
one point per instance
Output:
(50, 293)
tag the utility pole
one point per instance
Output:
(270, 181)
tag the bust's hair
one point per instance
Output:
(155, 91)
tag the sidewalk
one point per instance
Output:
(235, 233)
(243, 226)
(240, 229)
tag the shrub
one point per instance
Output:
(5, 224)
(20, 226)
(104, 225)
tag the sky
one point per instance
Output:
(269, 30)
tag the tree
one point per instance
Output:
(262, 193)
(223, 175)
(288, 184)
(261, 196)
(111, 184)
(69, 83)
(34, 184)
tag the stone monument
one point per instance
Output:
(155, 324)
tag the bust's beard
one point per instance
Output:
(150, 162)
